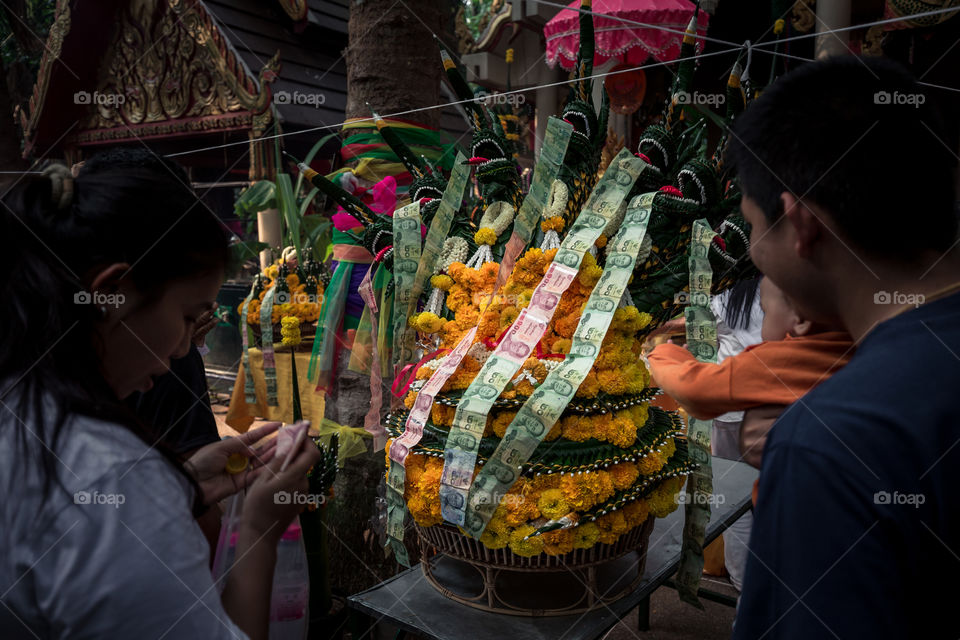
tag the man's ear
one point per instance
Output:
(806, 226)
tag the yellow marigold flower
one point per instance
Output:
(272, 271)
(601, 241)
(562, 345)
(553, 223)
(612, 381)
(576, 428)
(611, 526)
(292, 281)
(441, 281)
(428, 322)
(669, 448)
(559, 542)
(621, 431)
(508, 316)
(590, 272)
(495, 538)
(457, 298)
(590, 386)
(555, 432)
(467, 316)
(502, 421)
(488, 272)
(525, 548)
(485, 235)
(442, 415)
(489, 324)
(552, 505)
(624, 475)
(290, 330)
(410, 399)
(662, 501)
(636, 513)
(651, 464)
(586, 535)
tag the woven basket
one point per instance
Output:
(498, 580)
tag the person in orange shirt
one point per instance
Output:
(796, 355)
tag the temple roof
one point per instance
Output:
(183, 74)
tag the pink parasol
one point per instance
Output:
(619, 36)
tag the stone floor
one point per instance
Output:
(671, 619)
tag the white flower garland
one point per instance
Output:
(454, 250)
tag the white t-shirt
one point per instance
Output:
(117, 555)
(731, 341)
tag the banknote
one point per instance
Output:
(702, 342)
(542, 409)
(406, 259)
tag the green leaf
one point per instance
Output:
(314, 150)
(318, 233)
(257, 197)
(306, 201)
(289, 211)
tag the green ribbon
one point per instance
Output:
(334, 303)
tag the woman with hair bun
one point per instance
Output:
(105, 276)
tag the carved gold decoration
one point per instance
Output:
(872, 44)
(611, 148)
(54, 45)
(169, 62)
(485, 27)
(804, 15)
(296, 9)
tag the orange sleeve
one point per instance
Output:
(703, 389)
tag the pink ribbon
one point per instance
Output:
(371, 422)
(410, 371)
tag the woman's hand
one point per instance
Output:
(272, 501)
(205, 322)
(208, 465)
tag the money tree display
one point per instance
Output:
(524, 436)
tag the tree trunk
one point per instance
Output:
(392, 61)
(394, 65)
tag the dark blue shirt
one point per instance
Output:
(857, 523)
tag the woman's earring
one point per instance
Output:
(103, 312)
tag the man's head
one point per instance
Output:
(842, 166)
